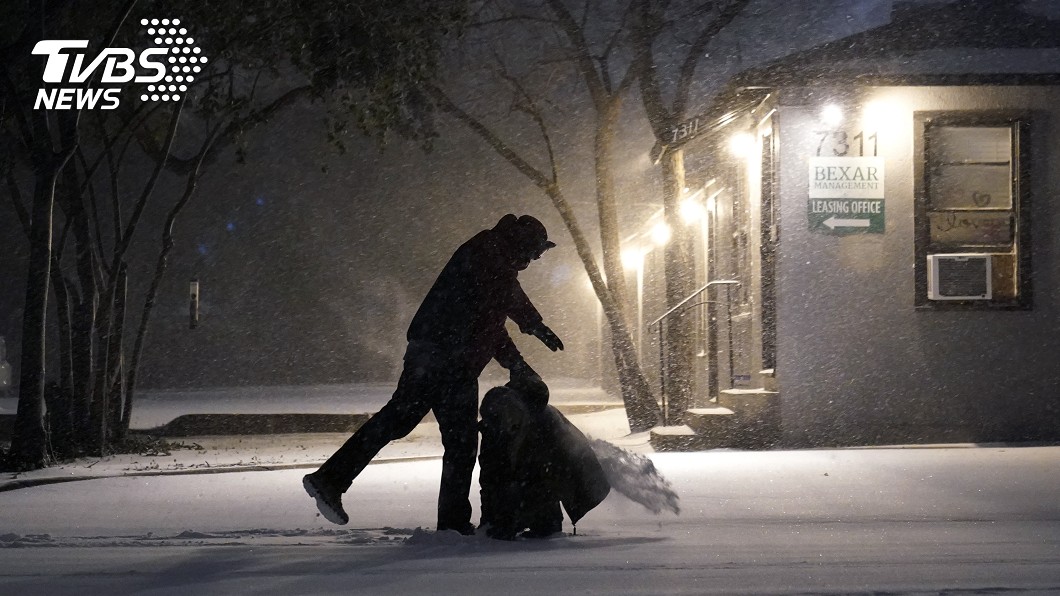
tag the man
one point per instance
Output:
(457, 330)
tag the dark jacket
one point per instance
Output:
(465, 310)
(540, 457)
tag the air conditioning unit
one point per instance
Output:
(960, 276)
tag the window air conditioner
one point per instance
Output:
(963, 276)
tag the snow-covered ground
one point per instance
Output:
(949, 519)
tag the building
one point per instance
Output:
(890, 219)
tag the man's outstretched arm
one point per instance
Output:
(530, 321)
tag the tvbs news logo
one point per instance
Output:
(167, 68)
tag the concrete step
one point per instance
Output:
(756, 416)
(676, 438)
(714, 424)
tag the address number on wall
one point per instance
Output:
(840, 143)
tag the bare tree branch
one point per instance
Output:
(91, 190)
(645, 33)
(160, 266)
(697, 49)
(529, 107)
(90, 170)
(612, 43)
(125, 236)
(576, 35)
(231, 132)
(502, 148)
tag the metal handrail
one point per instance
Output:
(662, 338)
(717, 282)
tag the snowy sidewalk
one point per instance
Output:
(901, 521)
(916, 520)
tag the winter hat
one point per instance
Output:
(532, 236)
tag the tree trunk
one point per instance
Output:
(642, 411)
(641, 407)
(115, 384)
(84, 316)
(100, 394)
(29, 441)
(60, 413)
(607, 209)
(679, 267)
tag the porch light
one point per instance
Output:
(691, 211)
(832, 115)
(742, 144)
(633, 258)
(660, 234)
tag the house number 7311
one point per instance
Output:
(839, 143)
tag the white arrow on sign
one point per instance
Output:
(833, 222)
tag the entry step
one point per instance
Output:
(675, 438)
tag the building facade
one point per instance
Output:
(888, 206)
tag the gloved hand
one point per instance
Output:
(547, 337)
(528, 384)
(520, 371)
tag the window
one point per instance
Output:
(972, 211)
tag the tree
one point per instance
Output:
(588, 47)
(651, 24)
(266, 56)
(610, 50)
(48, 141)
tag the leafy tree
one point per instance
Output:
(363, 61)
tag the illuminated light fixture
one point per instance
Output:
(832, 115)
(660, 234)
(691, 211)
(633, 258)
(879, 114)
(742, 144)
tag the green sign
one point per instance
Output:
(846, 216)
(846, 195)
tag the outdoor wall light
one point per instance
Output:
(742, 144)
(633, 258)
(660, 234)
(691, 211)
(832, 115)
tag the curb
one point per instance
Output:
(32, 482)
(196, 425)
